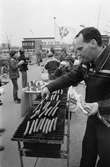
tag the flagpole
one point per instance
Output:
(54, 19)
(99, 16)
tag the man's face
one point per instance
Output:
(84, 50)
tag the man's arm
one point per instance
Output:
(72, 78)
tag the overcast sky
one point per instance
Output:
(34, 18)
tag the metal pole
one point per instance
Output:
(98, 17)
(36, 162)
(20, 154)
(68, 134)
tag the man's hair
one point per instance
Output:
(90, 33)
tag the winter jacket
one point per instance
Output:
(13, 68)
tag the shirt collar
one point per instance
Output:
(101, 56)
(97, 64)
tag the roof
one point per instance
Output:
(40, 38)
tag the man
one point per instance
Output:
(14, 74)
(51, 65)
(39, 56)
(95, 71)
(23, 68)
(65, 66)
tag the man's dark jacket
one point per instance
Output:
(97, 79)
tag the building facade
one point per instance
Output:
(33, 45)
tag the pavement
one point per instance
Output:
(11, 117)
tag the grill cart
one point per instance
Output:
(45, 129)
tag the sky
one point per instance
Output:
(35, 18)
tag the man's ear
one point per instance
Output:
(93, 43)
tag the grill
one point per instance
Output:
(41, 143)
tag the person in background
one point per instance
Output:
(2, 130)
(23, 67)
(39, 56)
(94, 69)
(51, 65)
(14, 73)
(65, 66)
(63, 54)
(0, 92)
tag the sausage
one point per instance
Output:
(55, 123)
(55, 92)
(47, 127)
(51, 124)
(42, 123)
(54, 108)
(52, 97)
(35, 125)
(54, 111)
(49, 114)
(57, 103)
(38, 126)
(58, 91)
(27, 127)
(42, 113)
(48, 111)
(57, 98)
(61, 91)
(46, 104)
(44, 127)
(56, 95)
(32, 125)
(39, 105)
(36, 113)
(36, 107)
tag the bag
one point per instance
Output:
(44, 76)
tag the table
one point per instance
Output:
(27, 100)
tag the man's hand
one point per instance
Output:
(45, 92)
(20, 62)
(91, 108)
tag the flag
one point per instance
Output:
(63, 31)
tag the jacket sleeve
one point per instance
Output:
(72, 78)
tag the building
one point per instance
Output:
(32, 45)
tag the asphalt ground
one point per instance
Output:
(11, 118)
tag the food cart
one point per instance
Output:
(42, 132)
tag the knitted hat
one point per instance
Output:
(12, 53)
